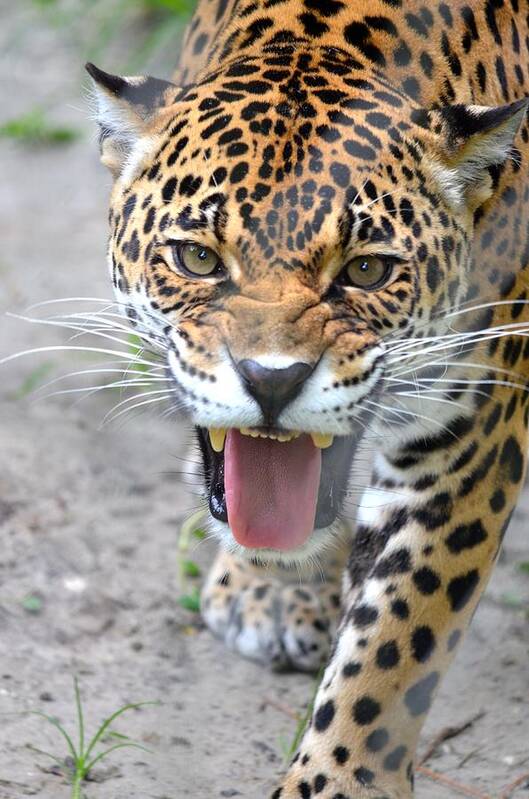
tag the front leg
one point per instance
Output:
(433, 546)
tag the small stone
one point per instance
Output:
(75, 584)
(179, 740)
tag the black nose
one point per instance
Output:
(273, 388)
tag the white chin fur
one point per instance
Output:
(321, 541)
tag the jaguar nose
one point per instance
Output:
(273, 388)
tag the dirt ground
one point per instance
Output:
(89, 519)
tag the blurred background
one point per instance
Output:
(94, 580)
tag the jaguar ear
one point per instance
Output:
(475, 138)
(125, 109)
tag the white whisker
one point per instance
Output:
(68, 348)
(413, 414)
(95, 389)
(70, 326)
(111, 416)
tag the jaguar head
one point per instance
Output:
(279, 228)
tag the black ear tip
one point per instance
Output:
(112, 83)
(92, 70)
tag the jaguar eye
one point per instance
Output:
(367, 272)
(196, 260)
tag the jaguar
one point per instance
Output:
(322, 222)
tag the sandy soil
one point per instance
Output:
(89, 519)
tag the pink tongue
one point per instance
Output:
(271, 490)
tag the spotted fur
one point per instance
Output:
(297, 135)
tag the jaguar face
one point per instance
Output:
(278, 230)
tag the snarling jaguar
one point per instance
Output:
(323, 221)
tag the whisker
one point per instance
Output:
(106, 321)
(359, 192)
(417, 416)
(147, 374)
(113, 417)
(454, 340)
(467, 365)
(455, 311)
(95, 389)
(69, 326)
(69, 348)
(425, 395)
(378, 199)
(455, 383)
(62, 300)
(100, 300)
(165, 392)
(381, 416)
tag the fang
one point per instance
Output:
(322, 440)
(217, 436)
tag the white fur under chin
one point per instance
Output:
(304, 559)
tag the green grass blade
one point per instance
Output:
(136, 349)
(33, 380)
(182, 7)
(304, 720)
(33, 128)
(190, 602)
(129, 745)
(62, 765)
(61, 729)
(118, 735)
(190, 568)
(76, 787)
(107, 722)
(188, 528)
(80, 716)
(32, 603)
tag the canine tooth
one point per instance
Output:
(217, 436)
(322, 440)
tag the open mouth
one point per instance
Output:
(274, 487)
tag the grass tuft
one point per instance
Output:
(187, 569)
(289, 748)
(190, 600)
(32, 603)
(82, 757)
(33, 128)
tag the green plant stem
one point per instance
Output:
(76, 786)
(80, 715)
(187, 532)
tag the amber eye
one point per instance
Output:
(196, 260)
(367, 272)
